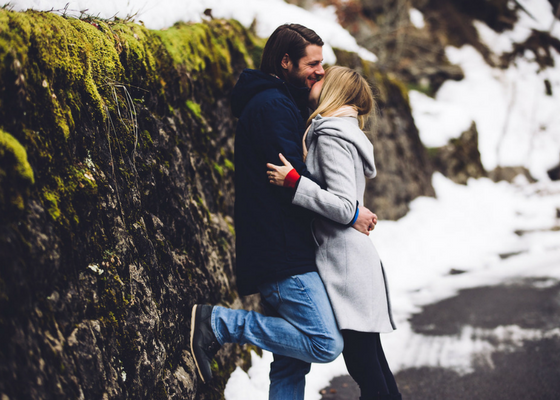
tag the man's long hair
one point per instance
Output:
(291, 39)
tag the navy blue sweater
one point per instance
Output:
(273, 237)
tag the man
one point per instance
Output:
(274, 243)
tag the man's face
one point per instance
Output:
(309, 69)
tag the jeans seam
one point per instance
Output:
(280, 300)
(304, 290)
(300, 284)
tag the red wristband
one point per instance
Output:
(291, 179)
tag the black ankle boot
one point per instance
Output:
(204, 344)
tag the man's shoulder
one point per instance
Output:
(271, 98)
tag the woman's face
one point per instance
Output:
(315, 93)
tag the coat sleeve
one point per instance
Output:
(337, 201)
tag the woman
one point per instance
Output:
(340, 157)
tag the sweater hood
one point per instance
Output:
(252, 82)
(348, 129)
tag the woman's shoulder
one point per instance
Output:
(345, 128)
(346, 122)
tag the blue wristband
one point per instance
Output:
(355, 216)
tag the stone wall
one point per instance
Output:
(116, 175)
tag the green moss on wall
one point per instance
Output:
(12, 152)
(112, 128)
(63, 70)
(198, 49)
(16, 174)
(194, 108)
(229, 165)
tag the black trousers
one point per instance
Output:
(368, 366)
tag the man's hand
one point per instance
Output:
(366, 221)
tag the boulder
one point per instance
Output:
(510, 173)
(459, 160)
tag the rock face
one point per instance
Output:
(415, 56)
(405, 171)
(510, 173)
(116, 199)
(459, 160)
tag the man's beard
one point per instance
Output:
(295, 79)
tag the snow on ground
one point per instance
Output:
(465, 227)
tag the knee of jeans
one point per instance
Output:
(328, 350)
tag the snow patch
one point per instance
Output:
(417, 18)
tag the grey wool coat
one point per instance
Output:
(340, 157)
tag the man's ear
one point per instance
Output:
(286, 62)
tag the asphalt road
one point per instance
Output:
(525, 370)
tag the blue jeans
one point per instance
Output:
(300, 328)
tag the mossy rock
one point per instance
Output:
(16, 175)
(116, 199)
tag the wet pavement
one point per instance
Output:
(515, 330)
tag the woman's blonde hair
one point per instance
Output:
(344, 87)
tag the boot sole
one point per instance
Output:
(193, 319)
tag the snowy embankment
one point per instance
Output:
(469, 228)
(517, 122)
(268, 14)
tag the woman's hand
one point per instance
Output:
(277, 173)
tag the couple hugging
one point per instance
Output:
(301, 233)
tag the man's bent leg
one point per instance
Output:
(306, 328)
(302, 300)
